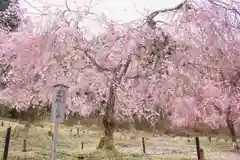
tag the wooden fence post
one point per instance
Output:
(200, 151)
(210, 139)
(7, 140)
(82, 146)
(24, 145)
(201, 154)
(123, 134)
(143, 145)
(198, 147)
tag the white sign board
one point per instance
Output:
(58, 112)
(59, 103)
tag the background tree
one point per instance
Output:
(4, 5)
(10, 15)
(203, 82)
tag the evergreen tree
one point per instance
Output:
(9, 13)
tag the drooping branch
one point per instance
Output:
(32, 6)
(151, 23)
(225, 6)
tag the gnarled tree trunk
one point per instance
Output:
(231, 128)
(109, 120)
(233, 134)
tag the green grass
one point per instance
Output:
(70, 147)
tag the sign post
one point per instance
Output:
(58, 112)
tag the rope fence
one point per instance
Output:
(43, 148)
(48, 149)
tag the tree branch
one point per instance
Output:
(150, 18)
(33, 6)
(125, 68)
(134, 77)
(218, 109)
(100, 68)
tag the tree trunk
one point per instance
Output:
(109, 120)
(233, 133)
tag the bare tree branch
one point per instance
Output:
(68, 9)
(98, 66)
(34, 7)
(150, 18)
(85, 11)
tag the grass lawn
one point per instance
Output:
(69, 147)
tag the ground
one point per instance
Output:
(69, 147)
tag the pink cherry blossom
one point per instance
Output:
(197, 83)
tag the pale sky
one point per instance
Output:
(126, 10)
(119, 10)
